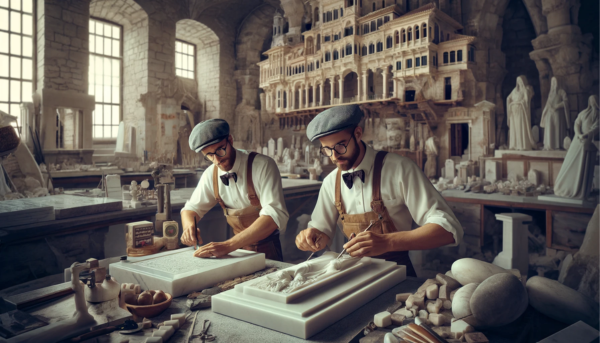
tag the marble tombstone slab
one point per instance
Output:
(178, 272)
(308, 311)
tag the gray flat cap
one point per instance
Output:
(334, 120)
(208, 132)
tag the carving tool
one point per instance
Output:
(353, 235)
(419, 322)
(311, 255)
(196, 234)
(193, 324)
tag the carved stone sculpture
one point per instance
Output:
(518, 107)
(555, 117)
(431, 151)
(575, 177)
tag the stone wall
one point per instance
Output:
(63, 45)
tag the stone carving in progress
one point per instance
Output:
(518, 106)
(290, 280)
(431, 150)
(575, 177)
(555, 118)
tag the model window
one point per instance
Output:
(389, 42)
(424, 28)
(379, 23)
(373, 26)
(445, 58)
(409, 63)
(452, 56)
(398, 65)
(364, 50)
(409, 34)
(403, 36)
(371, 48)
(335, 14)
(365, 29)
(423, 60)
(336, 55)
(459, 57)
(417, 32)
(379, 46)
(417, 62)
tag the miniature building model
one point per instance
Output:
(417, 62)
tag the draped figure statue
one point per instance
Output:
(518, 108)
(575, 177)
(555, 117)
(431, 151)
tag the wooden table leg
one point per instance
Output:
(549, 228)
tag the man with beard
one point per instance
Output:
(248, 188)
(373, 186)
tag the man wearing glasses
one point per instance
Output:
(373, 186)
(248, 188)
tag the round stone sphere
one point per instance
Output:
(499, 300)
(461, 303)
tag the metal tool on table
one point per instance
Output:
(196, 234)
(203, 336)
(189, 336)
(127, 325)
(353, 235)
(427, 328)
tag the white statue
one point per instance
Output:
(518, 108)
(271, 145)
(317, 166)
(575, 177)
(279, 146)
(134, 190)
(293, 279)
(554, 120)
(431, 151)
(296, 154)
(286, 155)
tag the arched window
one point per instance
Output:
(417, 32)
(452, 56)
(386, 19)
(316, 14)
(396, 37)
(365, 29)
(327, 56)
(459, 57)
(348, 49)
(403, 36)
(379, 46)
(373, 26)
(383, 4)
(364, 50)
(436, 34)
(445, 58)
(336, 55)
(317, 64)
(388, 42)
(341, 12)
(424, 28)
(371, 48)
(409, 34)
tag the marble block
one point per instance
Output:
(178, 272)
(449, 169)
(578, 332)
(316, 310)
(515, 253)
(23, 211)
(493, 170)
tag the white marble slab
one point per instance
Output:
(178, 272)
(314, 311)
(534, 153)
(579, 332)
(22, 211)
(555, 198)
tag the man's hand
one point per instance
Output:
(190, 232)
(189, 236)
(216, 249)
(306, 240)
(368, 244)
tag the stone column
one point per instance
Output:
(321, 86)
(314, 104)
(385, 88)
(341, 83)
(331, 82)
(365, 85)
(306, 102)
(514, 254)
(358, 88)
(301, 97)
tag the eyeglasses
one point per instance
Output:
(221, 152)
(340, 148)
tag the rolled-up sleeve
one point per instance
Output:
(325, 215)
(267, 181)
(425, 204)
(203, 199)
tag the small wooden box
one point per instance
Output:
(140, 234)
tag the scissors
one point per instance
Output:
(353, 235)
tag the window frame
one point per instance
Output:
(121, 73)
(10, 55)
(193, 58)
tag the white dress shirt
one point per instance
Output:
(406, 193)
(267, 183)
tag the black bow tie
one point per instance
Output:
(225, 178)
(349, 177)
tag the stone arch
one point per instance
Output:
(134, 20)
(207, 58)
(351, 84)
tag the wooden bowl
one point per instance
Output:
(149, 311)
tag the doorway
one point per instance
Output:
(448, 88)
(459, 139)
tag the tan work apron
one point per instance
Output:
(355, 223)
(241, 219)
